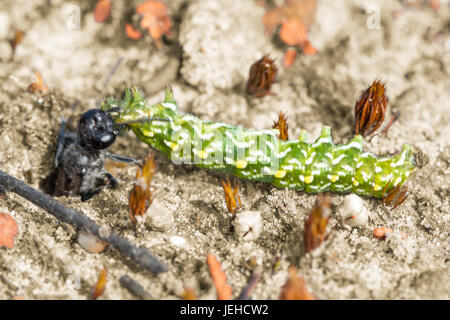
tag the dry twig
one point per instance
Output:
(134, 288)
(138, 254)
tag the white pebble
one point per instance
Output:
(90, 243)
(353, 208)
(360, 219)
(159, 216)
(177, 241)
(248, 225)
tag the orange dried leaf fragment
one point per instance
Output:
(102, 10)
(293, 32)
(295, 287)
(8, 230)
(131, 32)
(370, 109)
(295, 18)
(316, 224)
(289, 57)
(155, 18)
(261, 76)
(219, 278)
(141, 195)
(381, 232)
(39, 85)
(18, 37)
(231, 196)
(282, 126)
(99, 287)
(188, 294)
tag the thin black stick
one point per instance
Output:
(134, 288)
(138, 254)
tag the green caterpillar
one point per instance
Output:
(259, 155)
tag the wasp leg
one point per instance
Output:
(119, 158)
(64, 139)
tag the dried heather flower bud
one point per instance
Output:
(261, 77)
(141, 196)
(316, 224)
(282, 126)
(231, 196)
(370, 109)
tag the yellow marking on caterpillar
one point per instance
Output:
(280, 174)
(174, 146)
(376, 187)
(241, 164)
(334, 178)
(202, 154)
(309, 179)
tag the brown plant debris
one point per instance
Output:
(141, 195)
(316, 224)
(370, 109)
(261, 76)
(102, 10)
(155, 19)
(188, 294)
(295, 18)
(295, 287)
(99, 287)
(39, 85)
(289, 57)
(8, 230)
(219, 278)
(131, 32)
(394, 117)
(231, 195)
(396, 196)
(381, 232)
(282, 126)
(294, 33)
(17, 39)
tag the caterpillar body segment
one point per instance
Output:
(259, 155)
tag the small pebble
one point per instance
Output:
(90, 243)
(248, 225)
(381, 232)
(353, 209)
(159, 217)
(177, 241)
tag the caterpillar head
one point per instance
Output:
(96, 129)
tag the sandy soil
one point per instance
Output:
(208, 71)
